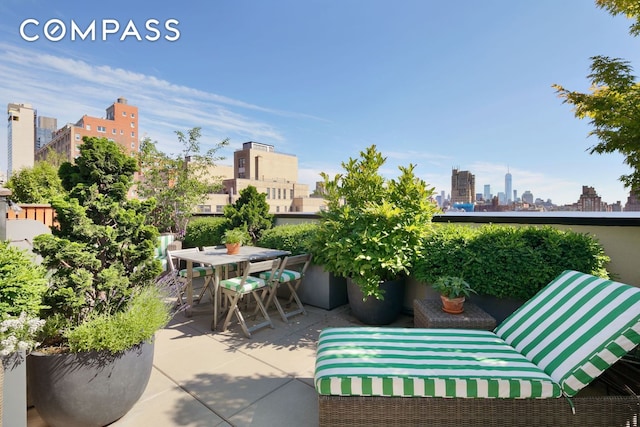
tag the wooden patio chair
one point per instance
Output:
(237, 288)
(291, 272)
(205, 271)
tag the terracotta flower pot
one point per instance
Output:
(233, 248)
(452, 305)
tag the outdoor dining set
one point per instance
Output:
(233, 279)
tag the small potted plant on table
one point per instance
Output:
(233, 239)
(453, 291)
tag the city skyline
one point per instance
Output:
(468, 87)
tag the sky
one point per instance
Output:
(461, 84)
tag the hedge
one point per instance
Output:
(507, 261)
(205, 231)
(295, 238)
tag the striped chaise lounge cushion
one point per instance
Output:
(372, 361)
(575, 327)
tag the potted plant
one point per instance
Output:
(23, 285)
(371, 231)
(453, 290)
(233, 239)
(103, 303)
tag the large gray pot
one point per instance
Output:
(373, 311)
(88, 389)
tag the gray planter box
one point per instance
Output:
(322, 289)
(14, 391)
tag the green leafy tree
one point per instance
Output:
(251, 212)
(178, 182)
(373, 227)
(102, 251)
(37, 184)
(613, 104)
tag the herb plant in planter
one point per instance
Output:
(372, 231)
(233, 239)
(103, 303)
(453, 291)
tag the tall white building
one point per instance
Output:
(20, 137)
(487, 193)
(508, 189)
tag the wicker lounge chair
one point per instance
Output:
(528, 372)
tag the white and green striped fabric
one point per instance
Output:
(575, 328)
(405, 362)
(285, 276)
(235, 284)
(198, 271)
(160, 251)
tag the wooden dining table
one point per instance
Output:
(218, 258)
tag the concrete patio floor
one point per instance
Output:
(205, 378)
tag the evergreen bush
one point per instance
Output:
(295, 238)
(205, 231)
(507, 261)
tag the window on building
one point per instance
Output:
(219, 208)
(291, 194)
(133, 115)
(204, 208)
(279, 193)
(277, 208)
(273, 193)
(113, 131)
(102, 129)
(241, 162)
(133, 145)
(133, 134)
(88, 127)
(121, 132)
(77, 137)
(133, 124)
(268, 193)
(124, 114)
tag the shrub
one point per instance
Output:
(145, 314)
(23, 282)
(507, 261)
(295, 238)
(205, 232)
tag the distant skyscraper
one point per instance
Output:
(487, 192)
(45, 127)
(463, 186)
(527, 197)
(508, 190)
(20, 137)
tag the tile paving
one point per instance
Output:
(205, 378)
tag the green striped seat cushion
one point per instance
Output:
(286, 276)
(575, 327)
(251, 283)
(370, 361)
(198, 271)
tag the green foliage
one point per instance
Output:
(101, 167)
(251, 212)
(452, 287)
(38, 184)
(295, 238)
(178, 182)
(102, 252)
(236, 235)
(145, 313)
(23, 282)
(373, 227)
(205, 232)
(612, 104)
(507, 261)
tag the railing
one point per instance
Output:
(43, 213)
(617, 232)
